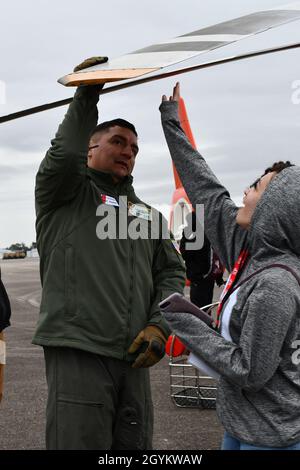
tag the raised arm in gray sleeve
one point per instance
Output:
(202, 187)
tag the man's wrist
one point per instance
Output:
(88, 94)
(164, 329)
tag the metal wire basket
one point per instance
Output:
(189, 388)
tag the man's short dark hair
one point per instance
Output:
(105, 126)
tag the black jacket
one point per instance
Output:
(5, 311)
(197, 262)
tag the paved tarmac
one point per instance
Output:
(22, 411)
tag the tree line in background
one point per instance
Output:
(21, 247)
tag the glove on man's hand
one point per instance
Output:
(90, 62)
(150, 343)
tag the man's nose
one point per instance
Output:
(128, 152)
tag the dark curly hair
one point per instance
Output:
(278, 167)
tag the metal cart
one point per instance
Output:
(189, 388)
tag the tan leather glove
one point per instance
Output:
(90, 62)
(150, 343)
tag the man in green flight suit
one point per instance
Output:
(99, 324)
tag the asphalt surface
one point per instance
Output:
(22, 411)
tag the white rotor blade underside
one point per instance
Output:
(184, 47)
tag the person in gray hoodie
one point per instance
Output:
(255, 348)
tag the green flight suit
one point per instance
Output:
(97, 294)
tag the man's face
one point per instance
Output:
(251, 198)
(113, 151)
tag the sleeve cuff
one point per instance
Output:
(88, 91)
(162, 325)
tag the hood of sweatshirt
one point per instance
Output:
(274, 234)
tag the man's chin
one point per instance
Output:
(119, 175)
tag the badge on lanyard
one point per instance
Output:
(138, 210)
(244, 255)
(109, 200)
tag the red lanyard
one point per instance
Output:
(231, 280)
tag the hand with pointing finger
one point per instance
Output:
(175, 96)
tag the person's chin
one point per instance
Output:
(241, 218)
(120, 174)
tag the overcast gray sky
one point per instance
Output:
(242, 114)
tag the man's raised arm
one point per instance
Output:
(64, 165)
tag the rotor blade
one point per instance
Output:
(156, 57)
(121, 86)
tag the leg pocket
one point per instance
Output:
(128, 431)
(82, 424)
(134, 425)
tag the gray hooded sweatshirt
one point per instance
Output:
(258, 398)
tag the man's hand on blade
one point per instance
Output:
(90, 62)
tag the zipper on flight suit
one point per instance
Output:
(130, 298)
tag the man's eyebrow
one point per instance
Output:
(121, 137)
